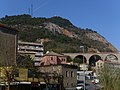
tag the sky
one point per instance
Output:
(102, 16)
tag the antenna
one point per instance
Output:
(31, 9)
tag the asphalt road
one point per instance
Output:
(91, 86)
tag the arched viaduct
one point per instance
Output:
(93, 57)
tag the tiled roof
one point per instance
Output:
(51, 53)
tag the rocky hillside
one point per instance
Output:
(58, 34)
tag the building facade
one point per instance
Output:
(8, 45)
(35, 50)
(68, 74)
(111, 64)
(99, 65)
(51, 58)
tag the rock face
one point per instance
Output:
(56, 28)
(93, 35)
(58, 34)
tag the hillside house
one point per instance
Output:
(52, 58)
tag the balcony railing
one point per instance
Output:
(30, 48)
(39, 54)
(37, 59)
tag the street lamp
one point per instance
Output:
(83, 50)
(83, 65)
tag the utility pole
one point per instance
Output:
(83, 65)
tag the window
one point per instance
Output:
(72, 84)
(98, 67)
(67, 74)
(51, 58)
(67, 84)
(72, 74)
(30, 73)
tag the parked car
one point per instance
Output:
(95, 81)
(79, 87)
(80, 82)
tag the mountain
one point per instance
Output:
(58, 34)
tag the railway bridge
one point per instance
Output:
(91, 58)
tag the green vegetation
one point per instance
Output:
(60, 21)
(33, 29)
(69, 59)
(78, 60)
(22, 20)
(24, 62)
(110, 77)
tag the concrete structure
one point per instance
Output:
(81, 75)
(35, 50)
(91, 58)
(8, 45)
(51, 58)
(68, 74)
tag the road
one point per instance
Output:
(91, 86)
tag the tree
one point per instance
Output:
(78, 60)
(109, 77)
(69, 59)
(8, 74)
(24, 61)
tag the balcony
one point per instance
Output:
(39, 54)
(31, 48)
(37, 64)
(37, 59)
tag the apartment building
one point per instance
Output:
(35, 50)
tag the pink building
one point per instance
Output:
(53, 58)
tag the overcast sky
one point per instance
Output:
(102, 16)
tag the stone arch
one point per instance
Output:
(93, 59)
(81, 57)
(111, 57)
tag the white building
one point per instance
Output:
(83, 67)
(82, 74)
(35, 50)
